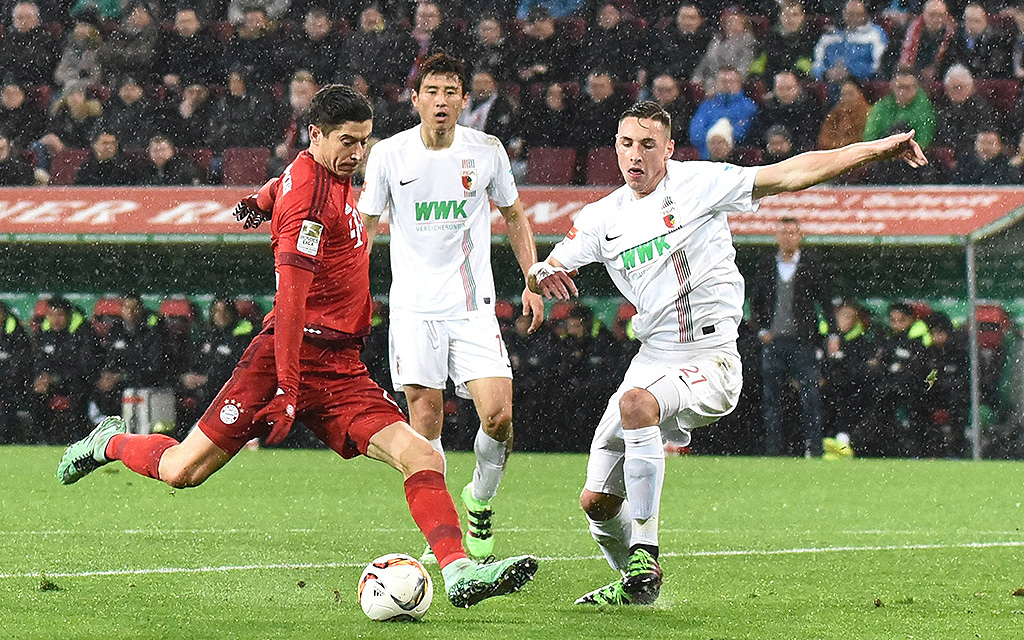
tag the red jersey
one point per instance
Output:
(316, 226)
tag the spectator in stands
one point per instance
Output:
(487, 110)
(224, 337)
(962, 113)
(492, 52)
(316, 48)
(945, 401)
(20, 117)
(728, 102)
(79, 61)
(28, 50)
(136, 355)
(377, 52)
(665, 91)
(789, 105)
(735, 47)
(190, 53)
(14, 170)
(982, 48)
(107, 166)
(433, 33)
(906, 107)
(72, 119)
(597, 117)
(790, 45)
(383, 113)
(549, 121)
(242, 118)
(788, 287)
(851, 377)
(65, 351)
(130, 115)
(275, 9)
(901, 362)
(720, 143)
(133, 49)
(929, 41)
(254, 49)
(855, 50)
(679, 47)
(612, 43)
(164, 167)
(301, 90)
(546, 54)
(844, 123)
(778, 144)
(988, 164)
(555, 8)
(187, 119)
(1016, 11)
(17, 358)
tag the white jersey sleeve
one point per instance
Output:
(502, 190)
(731, 188)
(582, 244)
(376, 196)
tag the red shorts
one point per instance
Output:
(338, 401)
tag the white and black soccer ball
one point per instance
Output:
(395, 587)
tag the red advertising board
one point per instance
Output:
(204, 213)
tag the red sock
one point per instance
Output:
(140, 453)
(434, 512)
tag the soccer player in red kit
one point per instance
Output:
(305, 363)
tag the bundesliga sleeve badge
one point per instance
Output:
(309, 238)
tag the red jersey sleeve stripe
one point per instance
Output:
(297, 260)
(321, 193)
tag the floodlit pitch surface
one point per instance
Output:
(272, 546)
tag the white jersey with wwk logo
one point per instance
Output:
(439, 207)
(670, 253)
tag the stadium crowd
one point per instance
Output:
(67, 367)
(202, 91)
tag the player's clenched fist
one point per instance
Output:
(551, 281)
(279, 414)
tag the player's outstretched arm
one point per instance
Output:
(814, 167)
(551, 280)
(520, 236)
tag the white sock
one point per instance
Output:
(490, 465)
(644, 470)
(438, 447)
(613, 536)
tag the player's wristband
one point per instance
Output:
(542, 270)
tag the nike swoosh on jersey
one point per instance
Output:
(402, 183)
(610, 238)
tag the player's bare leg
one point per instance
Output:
(184, 464)
(432, 508)
(426, 416)
(492, 445)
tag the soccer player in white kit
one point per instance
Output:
(664, 239)
(437, 181)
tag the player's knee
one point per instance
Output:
(182, 477)
(600, 506)
(497, 423)
(420, 456)
(638, 408)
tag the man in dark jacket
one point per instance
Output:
(316, 48)
(16, 363)
(107, 166)
(65, 359)
(14, 171)
(165, 167)
(28, 50)
(791, 289)
(190, 53)
(487, 110)
(136, 355)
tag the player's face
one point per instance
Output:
(643, 147)
(439, 101)
(342, 150)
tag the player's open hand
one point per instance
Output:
(533, 305)
(249, 212)
(902, 146)
(551, 281)
(279, 414)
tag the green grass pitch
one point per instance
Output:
(273, 544)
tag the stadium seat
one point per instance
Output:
(246, 165)
(199, 155)
(40, 95)
(875, 90)
(551, 165)
(994, 324)
(944, 157)
(748, 156)
(603, 167)
(684, 154)
(179, 307)
(504, 310)
(104, 313)
(560, 310)
(1001, 93)
(64, 165)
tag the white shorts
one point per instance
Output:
(693, 390)
(428, 352)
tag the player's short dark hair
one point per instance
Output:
(336, 104)
(648, 110)
(442, 64)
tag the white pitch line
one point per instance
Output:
(670, 554)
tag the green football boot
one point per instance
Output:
(89, 453)
(479, 537)
(609, 594)
(481, 581)
(642, 580)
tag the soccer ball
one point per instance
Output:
(395, 587)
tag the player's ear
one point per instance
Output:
(315, 134)
(670, 148)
